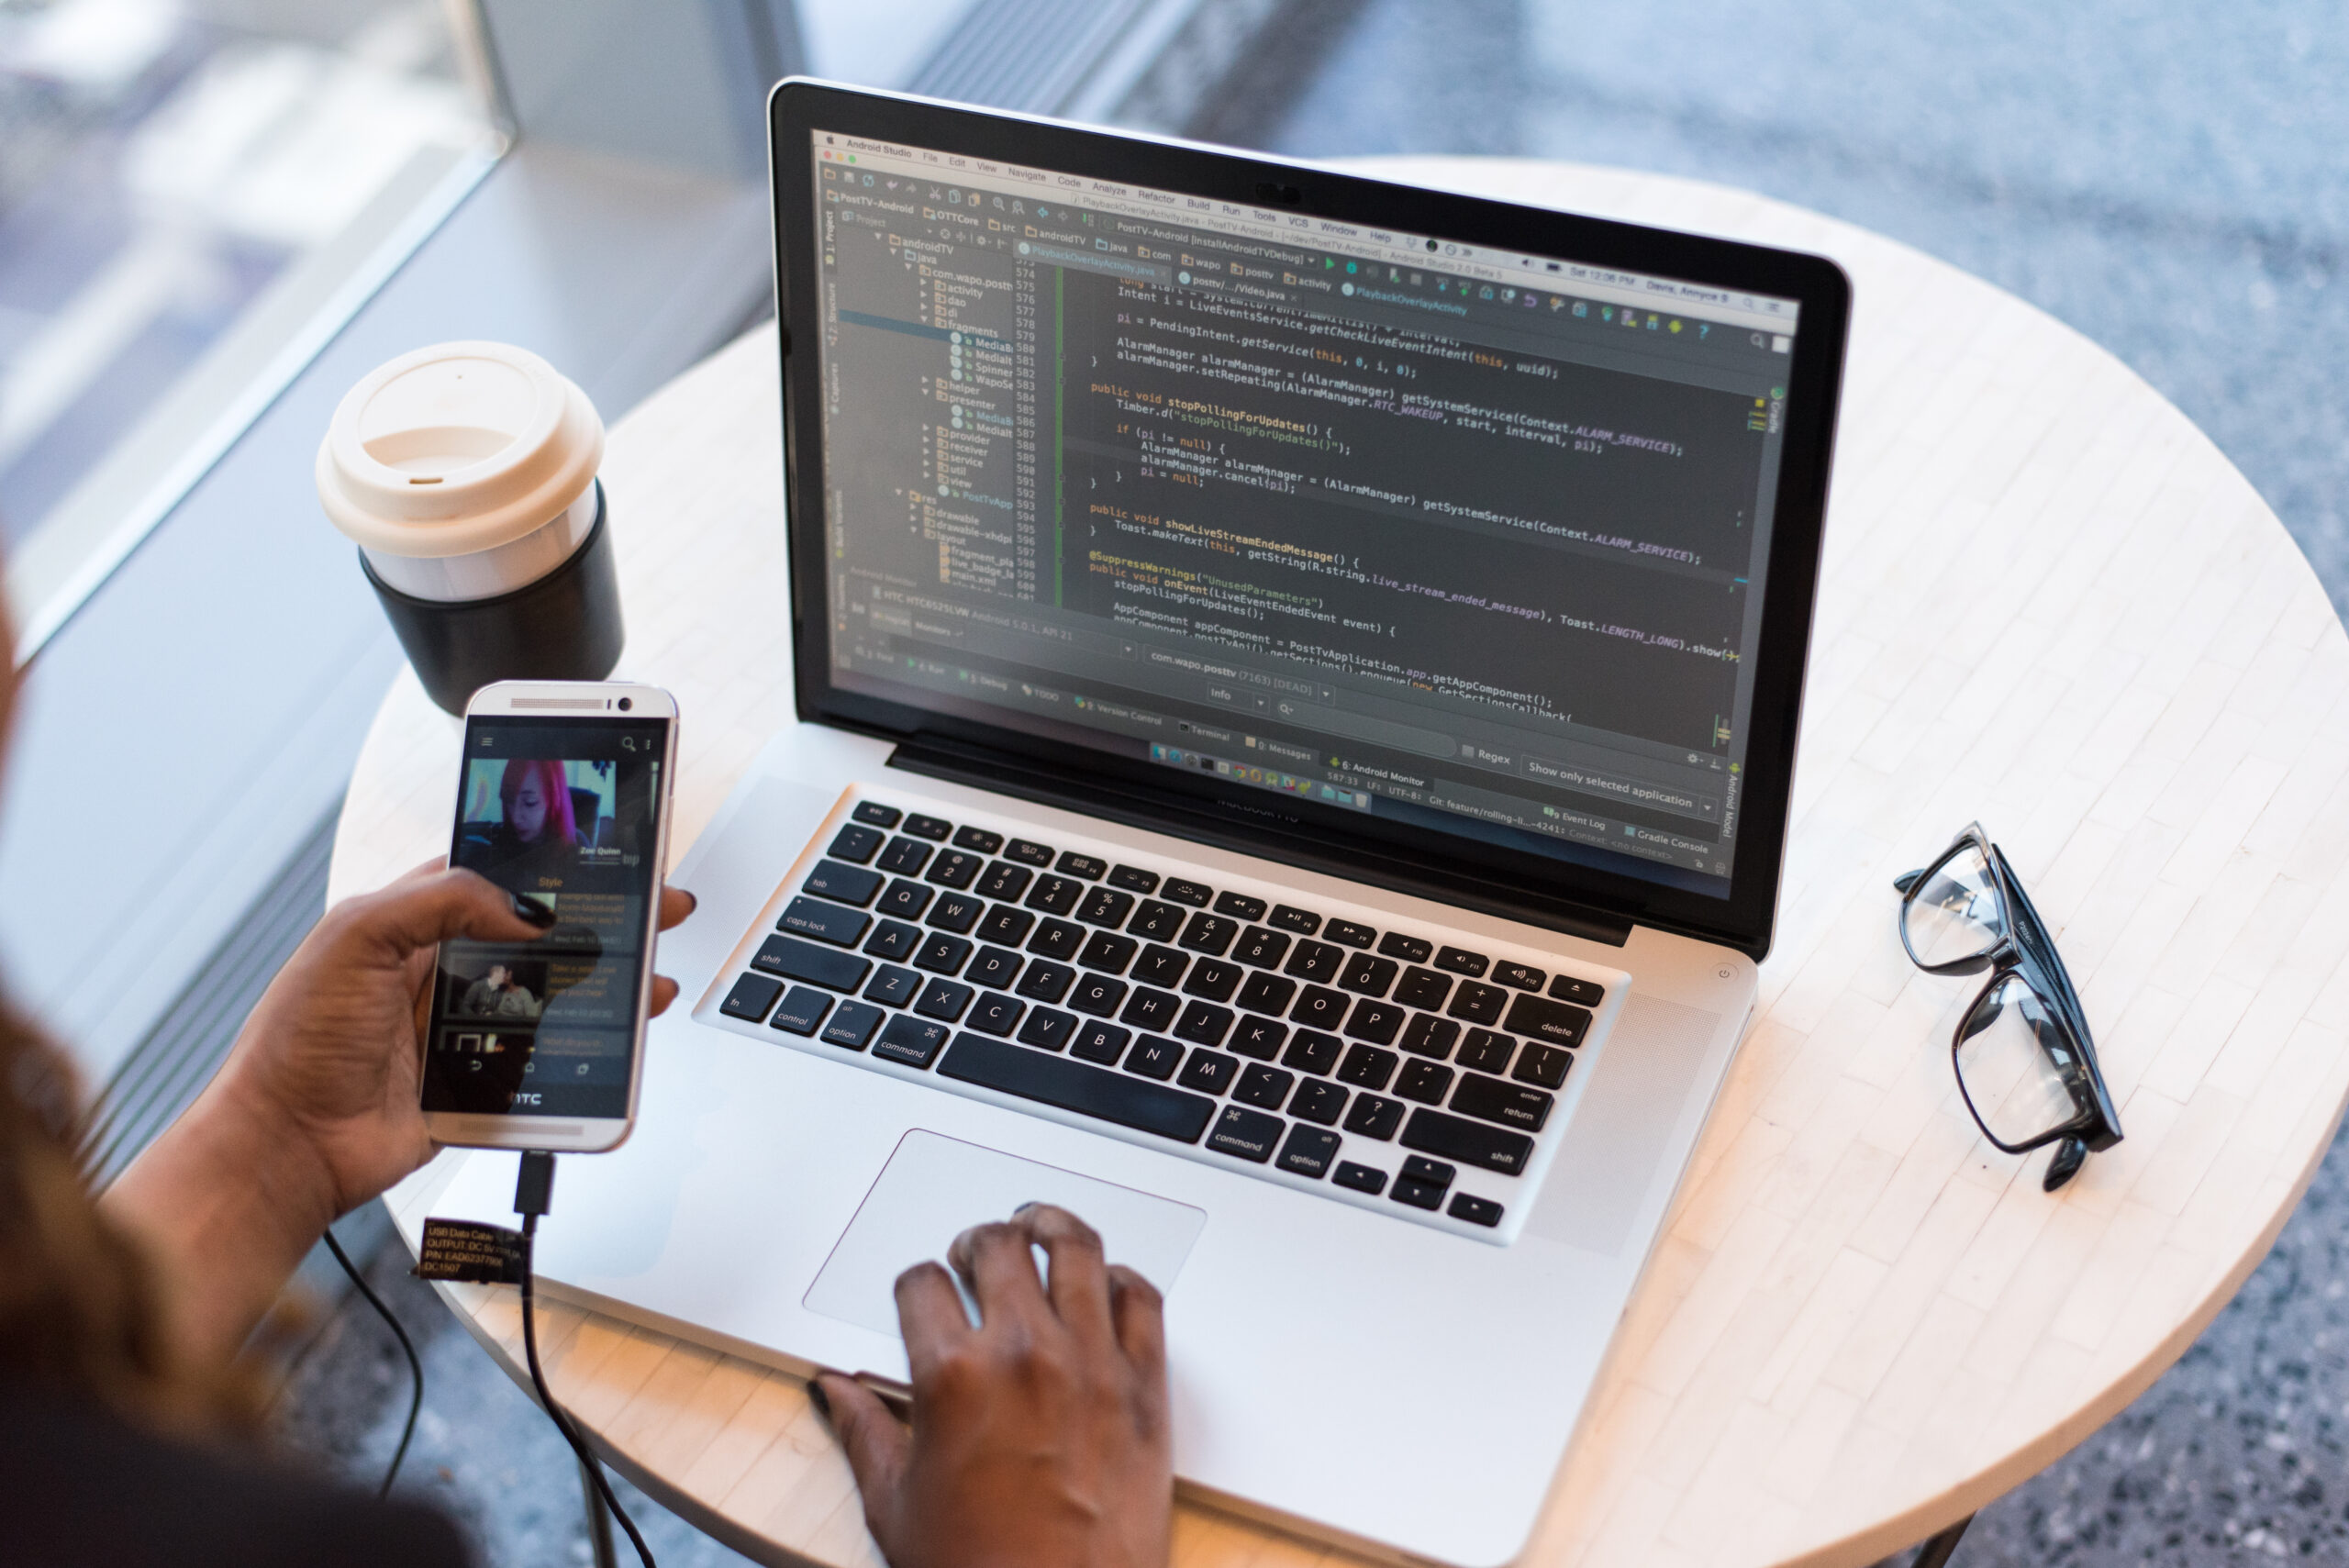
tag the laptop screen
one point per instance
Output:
(1464, 539)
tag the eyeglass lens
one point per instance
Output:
(2016, 1061)
(1954, 914)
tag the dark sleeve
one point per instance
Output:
(80, 1489)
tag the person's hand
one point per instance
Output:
(1040, 1438)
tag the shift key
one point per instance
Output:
(825, 922)
(795, 959)
(1556, 1023)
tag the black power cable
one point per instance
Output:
(533, 1192)
(408, 1347)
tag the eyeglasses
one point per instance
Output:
(2024, 1061)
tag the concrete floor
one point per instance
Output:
(2170, 180)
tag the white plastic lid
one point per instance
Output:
(456, 449)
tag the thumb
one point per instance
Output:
(877, 1441)
(419, 911)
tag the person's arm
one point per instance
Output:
(315, 1110)
(1040, 1438)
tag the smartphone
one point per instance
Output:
(563, 799)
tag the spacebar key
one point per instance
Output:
(1072, 1086)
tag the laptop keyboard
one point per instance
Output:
(1381, 1067)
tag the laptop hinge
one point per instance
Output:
(1161, 813)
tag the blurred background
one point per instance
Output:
(216, 214)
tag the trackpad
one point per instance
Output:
(935, 1188)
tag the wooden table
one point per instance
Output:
(2048, 602)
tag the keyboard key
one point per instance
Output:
(1474, 1210)
(1318, 1101)
(1215, 979)
(906, 900)
(802, 1010)
(1046, 981)
(955, 869)
(1057, 938)
(1153, 1056)
(1430, 1035)
(995, 968)
(1006, 926)
(831, 923)
(931, 828)
(944, 1000)
(854, 844)
(1210, 934)
(1097, 995)
(1319, 1007)
(1317, 962)
(1250, 1135)
(892, 985)
(1109, 953)
(1029, 853)
(1410, 949)
(1311, 1051)
(1375, 1117)
(1259, 1038)
(878, 815)
(1543, 1064)
(1004, 882)
(795, 959)
(1072, 1086)
(1587, 993)
(1523, 976)
(1091, 868)
(956, 912)
(1264, 949)
(912, 1040)
(1055, 895)
(1434, 1172)
(1134, 879)
(1376, 1022)
(1369, 975)
(1047, 1030)
(1309, 1150)
(1478, 1004)
(893, 939)
(978, 841)
(1160, 966)
(1460, 961)
(1177, 891)
(1361, 1178)
(1263, 1087)
(1105, 907)
(1240, 906)
(1152, 1009)
(905, 857)
(751, 996)
(996, 1013)
(852, 1024)
(1367, 1067)
(1204, 1023)
(1289, 917)
(1103, 1043)
(1486, 1051)
(845, 885)
(1208, 1072)
(1470, 1143)
(1552, 1023)
(1418, 1195)
(1422, 988)
(1347, 933)
(1425, 1081)
(1511, 1105)
(1156, 922)
(942, 954)
(1268, 994)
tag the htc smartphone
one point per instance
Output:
(563, 799)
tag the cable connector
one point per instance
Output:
(534, 1185)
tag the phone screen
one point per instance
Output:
(565, 812)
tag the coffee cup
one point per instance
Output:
(466, 473)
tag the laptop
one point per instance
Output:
(1297, 680)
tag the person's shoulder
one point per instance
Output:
(80, 1486)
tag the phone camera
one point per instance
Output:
(626, 704)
